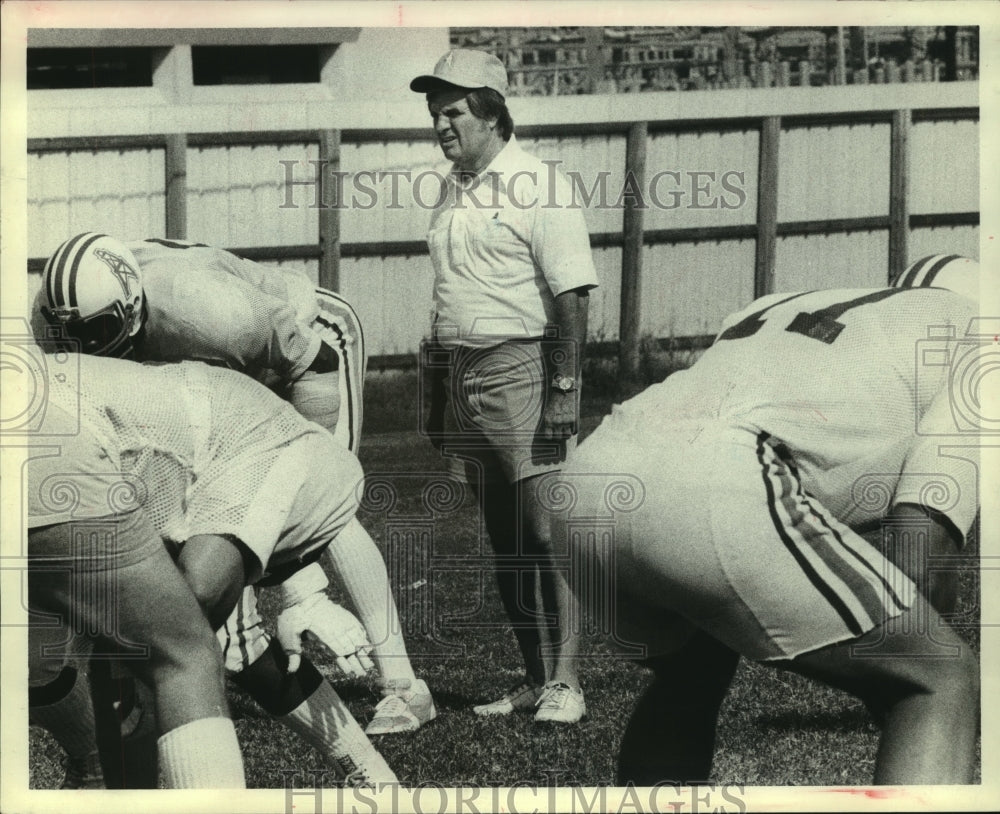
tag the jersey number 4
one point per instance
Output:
(821, 325)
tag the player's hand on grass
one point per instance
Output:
(336, 627)
(307, 609)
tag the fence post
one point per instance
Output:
(175, 177)
(631, 285)
(329, 214)
(899, 207)
(767, 206)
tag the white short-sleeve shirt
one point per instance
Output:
(504, 246)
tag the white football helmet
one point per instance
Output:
(93, 288)
(951, 271)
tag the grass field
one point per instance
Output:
(776, 728)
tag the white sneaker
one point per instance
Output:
(402, 709)
(520, 698)
(560, 703)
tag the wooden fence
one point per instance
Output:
(765, 230)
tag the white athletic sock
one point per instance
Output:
(325, 722)
(203, 754)
(70, 720)
(360, 568)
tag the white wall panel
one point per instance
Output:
(963, 240)
(32, 288)
(833, 172)
(382, 202)
(694, 199)
(119, 192)
(687, 288)
(237, 195)
(605, 300)
(393, 298)
(48, 202)
(852, 260)
(944, 167)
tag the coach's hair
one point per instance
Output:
(486, 103)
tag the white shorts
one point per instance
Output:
(486, 414)
(290, 523)
(309, 494)
(717, 529)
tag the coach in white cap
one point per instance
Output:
(512, 271)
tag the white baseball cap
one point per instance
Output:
(464, 68)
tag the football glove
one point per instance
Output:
(308, 610)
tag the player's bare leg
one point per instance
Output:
(360, 569)
(931, 703)
(217, 568)
(198, 747)
(670, 737)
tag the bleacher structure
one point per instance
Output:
(569, 61)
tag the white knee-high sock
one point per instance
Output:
(202, 754)
(361, 570)
(325, 722)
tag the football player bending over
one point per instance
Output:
(243, 487)
(737, 489)
(166, 300)
(97, 564)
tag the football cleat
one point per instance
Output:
(519, 698)
(560, 703)
(402, 709)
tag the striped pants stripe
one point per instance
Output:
(728, 538)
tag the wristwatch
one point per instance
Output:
(564, 384)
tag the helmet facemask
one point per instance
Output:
(107, 332)
(93, 289)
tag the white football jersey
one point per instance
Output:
(855, 383)
(212, 452)
(207, 304)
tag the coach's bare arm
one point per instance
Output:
(561, 416)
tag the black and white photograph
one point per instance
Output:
(276, 534)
